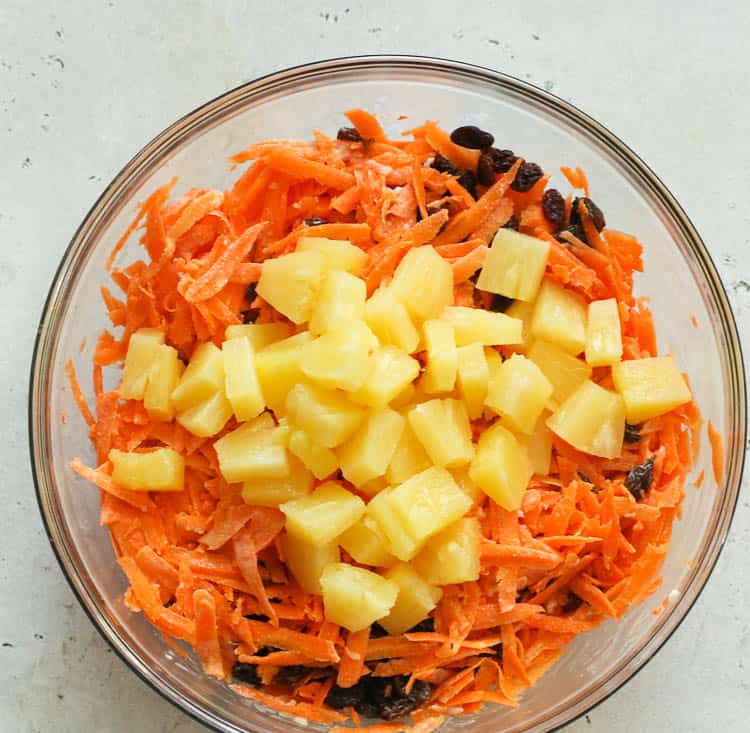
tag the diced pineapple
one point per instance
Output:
(464, 482)
(560, 317)
(538, 446)
(473, 378)
(373, 487)
(518, 393)
(142, 352)
(523, 311)
(355, 598)
(240, 380)
(341, 299)
(365, 543)
(307, 562)
(279, 368)
(603, 333)
(390, 321)
(340, 358)
(408, 459)
(494, 362)
(514, 266)
(477, 326)
(160, 470)
(275, 491)
(423, 282)
(451, 556)
(442, 358)
(391, 372)
(338, 254)
(415, 600)
(404, 398)
(592, 420)
(253, 452)
(290, 283)
(501, 467)
(367, 454)
(320, 460)
(442, 426)
(650, 387)
(207, 418)
(326, 414)
(165, 373)
(565, 372)
(260, 335)
(203, 377)
(320, 517)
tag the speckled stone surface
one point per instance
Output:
(83, 84)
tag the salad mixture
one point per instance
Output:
(391, 428)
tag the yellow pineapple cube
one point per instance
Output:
(423, 282)
(451, 556)
(560, 317)
(477, 326)
(523, 311)
(464, 482)
(165, 373)
(442, 426)
(365, 543)
(142, 352)
(240, 379)
(392, 371)
(538, 446)
(322, 516)
(405, 397)
(514, 266)
(290, 284)
(592, 420)
(603, 333)
(320, 460)
(338, 254)
(160, 470)
(278, 368)
(390, 321)
(355, 598)
(415, 600)
(341, 299)
(373, 487)
(203, 377)
(565, 372)
(408, 459)
(473, 377)
(278, 490)
(367, 454)
(442, 358)
(260, 335)
(253, 451)
(207, 418)
(501, 467)
(494, 362)
(307, 562)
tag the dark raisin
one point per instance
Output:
(315, 221)
(528, 174)
(250, 315)
(632, 433)
(595, 213)
(441, 164)
(553, 206)
(502, 160)
(257, 617)
(638, 481)
(246, 673)
(389, 695)
(349, 135)
(500, 303)
(485, 170)
(377, 631)
(250, 292)
(426, 625)
(584, 477)
(572, 603)
(512, 223)
(291, 675)
(348, 697)
(264, 651)
(468, 180)
(471, 136)
(576, 230)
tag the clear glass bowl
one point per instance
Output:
(680, 279)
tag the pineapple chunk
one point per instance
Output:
(451, 556)
(405, 397)
(253, 451)
(160, 470)
(523, 311)
(415, 600)
(373, 487)
(320, 517)
(240, 380)
(423, 282)
(341, 299)
(603, 333)
(340, 358)
(560, 317)
(473, 378)
(142, 352)
(566, 373)
(320, 460)
(278, 369)
(408, 459)
(494, 362)
(355, 598)
(338, 254)
(592, 420)
(290, 284)
(477, 326)
(518, 393)
(650, 387)
(514, 266)
(501, 467)
(442, 426)
(538, 446)
(165, 373)
(390, 321)
(461, 477)
(442, 358)
(275, 491)
(367, 454)
(392, 371)
(364, 542)
(207, 418)
(326, 414)
(203, 377)
(260, 335)
(307, 562)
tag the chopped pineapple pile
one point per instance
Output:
(407, 397)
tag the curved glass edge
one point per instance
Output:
(139, 166)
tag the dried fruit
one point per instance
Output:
(632, 433)
(500, 303)
(426, 625)
(512, 223)
(246, 673)
(315, 221)
(595, 213)
(348, 697)
(349, 135)
(502, 160)
(553, 206)
(485, 170)
(572, 603)
(638, 481)
(528, 174)
(443, 165)
(576, 230)
(471, 136)
(469, 182)
(389, 695)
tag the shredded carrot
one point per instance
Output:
(717, 453)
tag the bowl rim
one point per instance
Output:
(171, 136)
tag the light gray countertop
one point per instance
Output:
(84, 84)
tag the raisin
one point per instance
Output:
(553, 206)
(250, 315)
(291, 675)
(639, 478)
(471, 136)
(426, 625)
(584, 478)
(349, 135)
(485, 170)
(250, 292)
(389, 695)
(348, 697)
(595, 213)
(468, 180)
(441, 164)
(528, 174)
(576, 230)
(502, 160)
(512, 223)
(377, 631)
(257, 617)
(246, 673)
(500, 303)
(632, 433)
(572, 603)
(315, 221)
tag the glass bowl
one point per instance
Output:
(680, 279)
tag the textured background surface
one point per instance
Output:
(83, 84)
